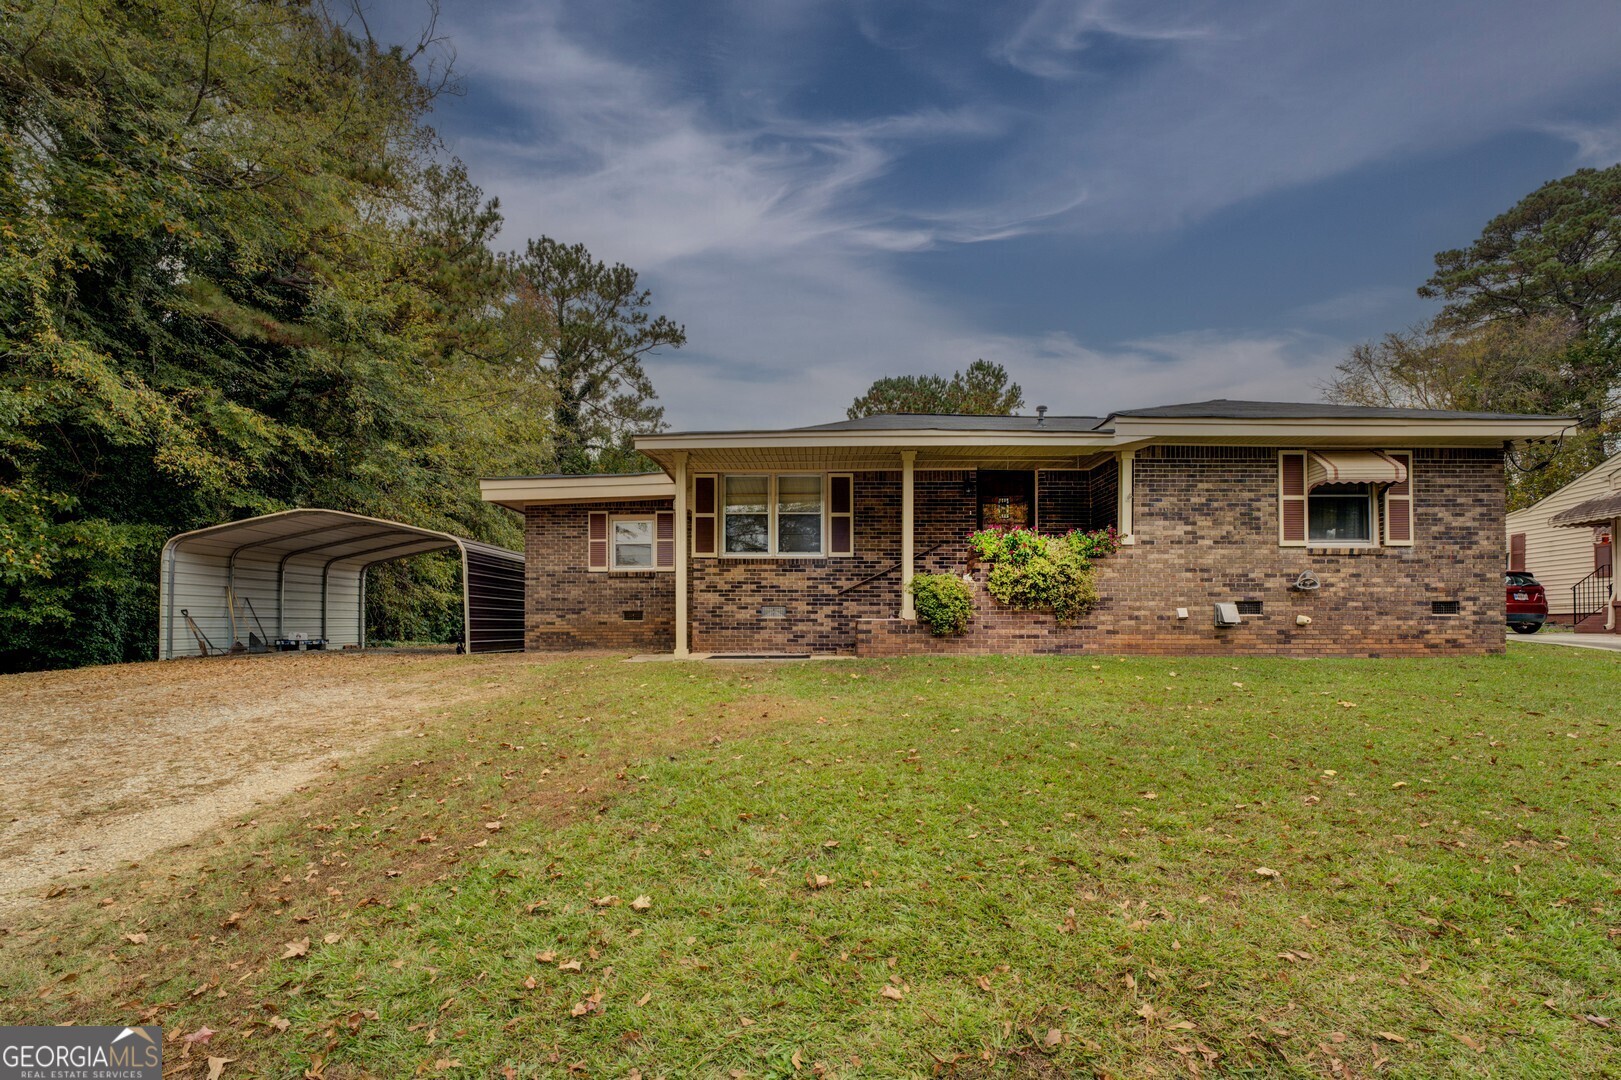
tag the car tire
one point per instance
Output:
(1526, 627)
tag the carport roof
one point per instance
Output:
(343, 538)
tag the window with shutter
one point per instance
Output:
(841, 514)
(1399, 503)
(1292, 498)
(1516, 552)
(597, 541)
(703, 515)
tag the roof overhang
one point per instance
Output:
(517, 492)
(1338, 431)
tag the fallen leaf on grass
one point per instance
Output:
(893, 993)
(200, 1036)
(605, 901)
(332, 939)
(280, 1023)
(644, 999)
(1472, 1044)
(983, 982)
(1054, 1037)
(1390, 1036)
(1267, 872)
(569, 965)
(818, 881)
(641, 903)
(216, 1067)
(546, 957)
(493, 826)
(1181, 1025)
(830, 843)
(1600, 1021)
(135, 939)
(301, 947)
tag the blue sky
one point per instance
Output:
(1125, 204)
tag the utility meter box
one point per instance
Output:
(1227, 615)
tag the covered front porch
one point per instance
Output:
(889, 513)
(1595, 608)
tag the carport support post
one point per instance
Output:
(908, 461)
(681, 534)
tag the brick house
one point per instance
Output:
(802, 540)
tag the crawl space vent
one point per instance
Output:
(1443, 607)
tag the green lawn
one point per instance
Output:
(989, 867)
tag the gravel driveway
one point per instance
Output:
(103, 766)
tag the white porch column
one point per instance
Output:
(908, 460)
(683, 535)
(1123, 523)
(1609, 609)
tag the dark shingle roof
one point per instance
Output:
(953, 422)
(1224, 409)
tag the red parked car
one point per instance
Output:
(1527, 602)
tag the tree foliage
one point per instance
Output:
(237, 274)
(592, 355)
(1531, 324)
(983, 390)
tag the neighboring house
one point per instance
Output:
(1567, 540)
(802, 540)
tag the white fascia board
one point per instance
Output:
(1391, 431)
(518, 491)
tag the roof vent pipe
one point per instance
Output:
(1041, 415)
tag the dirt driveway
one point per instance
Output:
(101, 767)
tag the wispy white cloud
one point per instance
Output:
(1052, 39)
(781, 244)
(1597, 145)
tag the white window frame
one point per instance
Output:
(652, 544)
(1374, 523)
(772, 502)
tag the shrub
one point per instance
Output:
(944, 603)
(1035, 572)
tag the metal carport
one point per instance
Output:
(303, 572)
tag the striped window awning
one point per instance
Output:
(1352, 467)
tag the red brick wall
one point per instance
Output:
(1206, 523)
(568, 607)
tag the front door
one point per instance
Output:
(1007, 499)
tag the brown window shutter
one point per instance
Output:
(841, 514)
(704, 487)
(1292, 498)
(664, 540)
(597, 541)
(1516, 552)
(1399, 503)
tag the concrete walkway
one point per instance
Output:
(1608, 642)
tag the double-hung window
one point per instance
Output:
(632, 543)
(773, 514)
